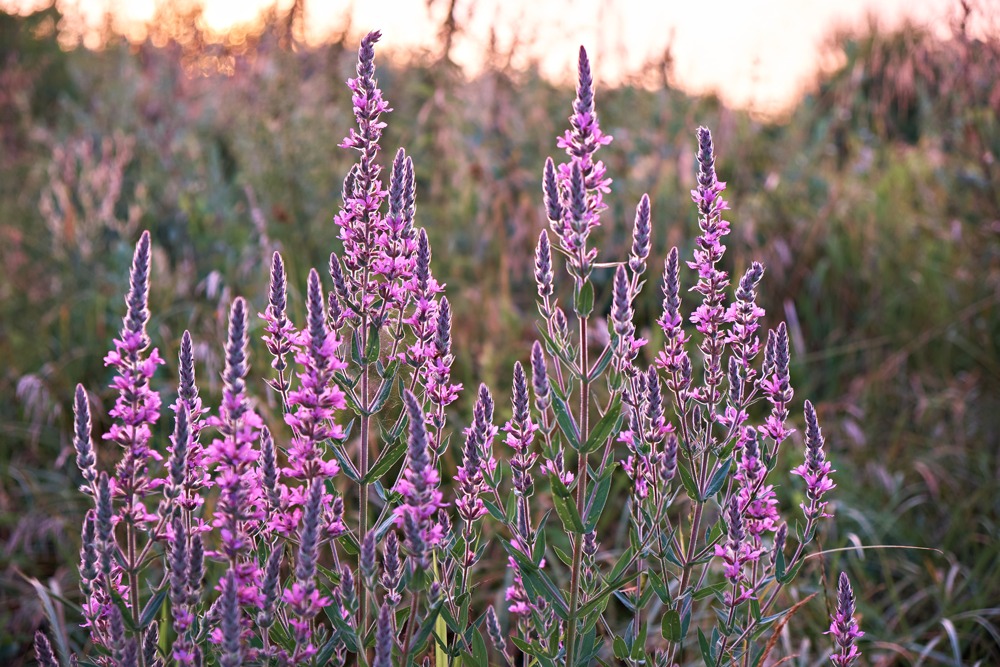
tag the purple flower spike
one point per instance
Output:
(844, 628)
(476, 457)
(553, 203)
(82, 441)
(303, 598)
(137, 407)
(43, 651)
(816, 469)
(392, 569)
(543, 266)
(419, 488)
(181, 439)
(640, 237)
(383, 638)
(521, 433)
(540, 377)
(229, 623)
(278, 330)
(138, 296)
(317, 398)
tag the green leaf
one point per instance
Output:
(425, 631)
(788, 576)
(607, 426)
(707, 591)
(755, 609)
(566, 422)
(563, 556)
(479, 651)
(670, 626)
(566, 509)
(640, 643)
(706, 652)
(556, 350)
(539, 551)
(383, 396)
(327, 651)
(600, 498)
(583, 299)
(374, 344)
(494, 511)
(524, 646)
(355, 348)
(657, 584)
(623, 562)
(386, 460)
(125, 611)
(349, 395)
(511, 505)
(620, 649)
(718, 479)
(526, 563)
(350, 543)
(602, 363)
(688, 482)
(346, 465)
(152, 608)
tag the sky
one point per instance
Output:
(755, 54)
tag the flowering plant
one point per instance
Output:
(246, 517)
(709, 449)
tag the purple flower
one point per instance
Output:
(187, 396)
(137, 407)
(735, 553)
(419, 488)
(674, 357)
(844, 628)
(477, 457)
(278, 330)
(520, 429)
(303, 598)
(383, 638)
(240, 494)
(775, 382)
(574, 191)
(640, 237)
(229, 632)
(816, 469)
(82, 441)
(712, 282)
(316, 399)
(392, 569)
(758, 503)
(43, 651)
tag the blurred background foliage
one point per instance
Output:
(875, 206)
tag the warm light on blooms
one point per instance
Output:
(353, 522)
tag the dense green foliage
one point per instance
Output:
(875, 207)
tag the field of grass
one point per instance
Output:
(875, 207)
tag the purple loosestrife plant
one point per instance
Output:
(671, 429)
(265, 542)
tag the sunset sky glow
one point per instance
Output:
(755, 53)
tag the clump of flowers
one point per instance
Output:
(684, 437)
(299, 542)
(261, 512)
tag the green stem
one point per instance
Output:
(581, 494)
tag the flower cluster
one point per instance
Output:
(295, 516)
(844, 628)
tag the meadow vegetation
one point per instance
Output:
(874, 205)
